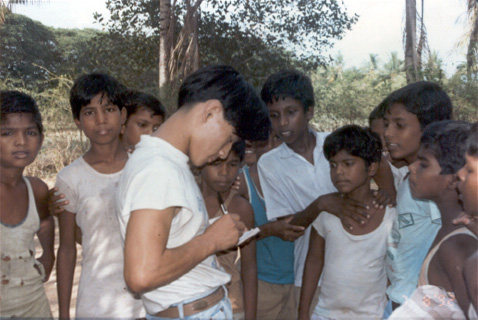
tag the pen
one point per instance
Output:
(221, 204)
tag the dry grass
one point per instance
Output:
(60, 148)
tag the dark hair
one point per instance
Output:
(243, 108)
(472, 142)
(88, 86)
(289, 84)
(378, 112)
(19, 102)
(446, 140)
(239, 148)
(135, 100)
(358, 141)
(427, 100)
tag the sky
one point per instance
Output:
(378, 30)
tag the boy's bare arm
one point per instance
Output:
(281, 228)
(66, 262)
(335, 204)
(149, 264)
(452, 256)
(244, 209)
(384, 179)
(312, 270)
(46, 233)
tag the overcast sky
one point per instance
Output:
(378, 31)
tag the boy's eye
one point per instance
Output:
(233, 164)
(290, 111)
(110, 109)
(6, 133)
(141, 124)
(88, 113)
(332, 165)
(400, 125)
(273, 115)
(385, 123)
(349, 163)
(32, 133)
(155, 128)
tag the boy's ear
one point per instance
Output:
(78, 124)
(453, 182)
(372, 169)
(212, 108)
(124, 116)
(42, 137)
(310, 113)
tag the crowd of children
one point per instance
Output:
(360, 223)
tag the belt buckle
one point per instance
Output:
(200, 305)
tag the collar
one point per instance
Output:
(286, 152)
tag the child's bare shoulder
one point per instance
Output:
(243, 208)
(457, 249)
(40, 191)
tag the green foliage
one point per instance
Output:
(345, 96)
(28, 50)
(256, 37)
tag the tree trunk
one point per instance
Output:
(164, 46)
(472, 52)
(411, 57)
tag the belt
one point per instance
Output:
(195, 306)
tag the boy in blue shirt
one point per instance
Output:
(409, 110)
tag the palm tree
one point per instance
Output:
(414, 51)
(472, 52)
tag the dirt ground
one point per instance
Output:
(50, 285)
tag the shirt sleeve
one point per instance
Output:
(273, 190)
(157, 188)
(319, 223)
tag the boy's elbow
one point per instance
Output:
(138, 281)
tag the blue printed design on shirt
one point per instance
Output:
(405, 220)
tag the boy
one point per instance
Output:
(409, 110)
(90, 185)
(144, 115)
(294, 175)
(433, 177)
(23, 211)
(169, 247)
(275, 289)
(398, 167)
(216, 181)
(468, 188)
(351, 263)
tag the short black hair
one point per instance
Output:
(243, 108)
(427, 100)
(446, 140)
(378, 112)
(13, 101)
(357, 141)
(289, 84)
(472, 142)
(87, 86)
(135, 100)
(239, 148)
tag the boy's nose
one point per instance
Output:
(283, 121)
(100, 117)
(20, 139)
(222, 170)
